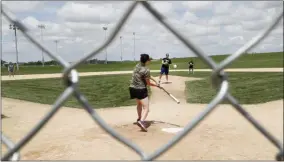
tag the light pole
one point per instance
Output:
(207, 29)
(121, 48)
(134, 46)
(243, 34)
(105, 29)
(220, 34)
(41, 27)
(15, 28)
(56, 42)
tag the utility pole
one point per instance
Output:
(121, 48)
(207, 29)
(15, 28)
(134, 46)
(41, 27)
(105, 29)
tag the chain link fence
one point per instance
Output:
(71, 79)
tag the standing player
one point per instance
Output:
(138, 89)
(11, 69)
(165, 67)
(190, 66)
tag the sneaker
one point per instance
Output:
(142, 125)
(136, 121)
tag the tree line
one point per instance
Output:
(53, 62)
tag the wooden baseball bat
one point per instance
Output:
(172, 96)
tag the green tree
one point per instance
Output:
(3, 62)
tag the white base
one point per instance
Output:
(172, 130)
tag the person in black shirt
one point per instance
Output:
(165, 67)
(190, 66)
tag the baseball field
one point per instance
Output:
(255, 80)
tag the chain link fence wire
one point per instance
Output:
(71, 79)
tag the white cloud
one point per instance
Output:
(189, 17)
(82, 12)
(5, 26)
(223, 7)
(216, 27)
(267, 4)
(198, 5)
(31, 22)
(233, 28)
(222, 20)
(22, 6)
(254, 25)
(245, 13)
(165, 8)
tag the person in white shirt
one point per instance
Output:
(11, 69)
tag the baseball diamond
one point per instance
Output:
(221, 129)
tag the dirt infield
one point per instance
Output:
(57, 75)
(73, 135)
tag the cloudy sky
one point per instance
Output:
(216, 27)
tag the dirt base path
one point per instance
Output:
(57, 75)
(175, 85)
(73, 135)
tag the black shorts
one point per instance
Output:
(190, 67)
(138, 93)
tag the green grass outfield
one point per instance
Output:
(112, 90)
(247, 88)
(264, 60)
(101, 91)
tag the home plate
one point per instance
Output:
(172, 130)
